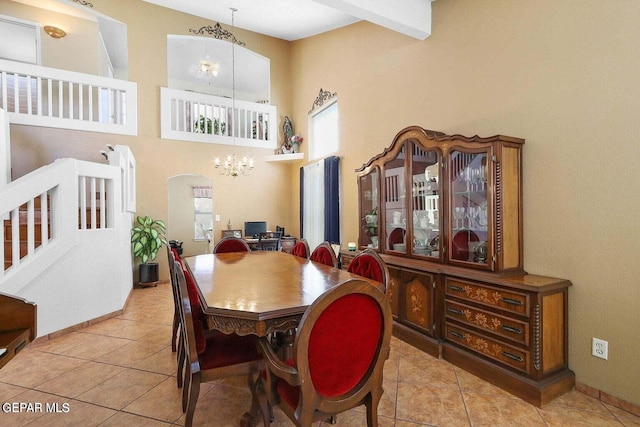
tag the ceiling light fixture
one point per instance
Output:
(232, 166)
(208, 70)
(55, 32)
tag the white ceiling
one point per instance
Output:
(296, 19)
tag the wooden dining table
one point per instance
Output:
(260, 293)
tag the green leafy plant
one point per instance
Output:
(370, 220)
(147, 238)
(206, 125)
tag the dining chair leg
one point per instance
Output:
(371, 405)
(194, 391)
(186, 389)
(181, 363)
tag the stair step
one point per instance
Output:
(37, 232)
(8, 252)
(23, 231)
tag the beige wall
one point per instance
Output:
(261, 196)
(77, 51)
(561, 74)
(565, 76)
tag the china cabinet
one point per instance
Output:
(445, 213)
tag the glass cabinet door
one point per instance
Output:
(368, 190)
(425, 202)
(395, 206)
(469, 216)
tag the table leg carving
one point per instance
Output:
(259, 405)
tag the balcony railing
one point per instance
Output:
(41, 96)
(198, 117)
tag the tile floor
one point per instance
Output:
(121, 372)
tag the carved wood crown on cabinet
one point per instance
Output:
(445, 214)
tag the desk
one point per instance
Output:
(260, 292)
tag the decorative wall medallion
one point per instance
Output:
(84, 3)
(323, 97)
(218, 33)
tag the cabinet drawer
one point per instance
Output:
(515, 302)
(511, 329)
(500, 352)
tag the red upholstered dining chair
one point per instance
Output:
(338, 357)
(301, 249)
(175, 263)
(231, 244)
(172, 255)
(324, 254)
(222, 357)
(369, 264)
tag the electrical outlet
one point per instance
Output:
(600, 348)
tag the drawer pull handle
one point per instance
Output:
(512, 301)
(511, 329)
(512, 356)
(455, 311)
(456, 288)
(20, 346)
(456, 334)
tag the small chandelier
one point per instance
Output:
(232, 166)
(208, 70)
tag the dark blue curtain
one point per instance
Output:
(332, 199)
(302, 203)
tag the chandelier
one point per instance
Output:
(233, 166)
(208, 70)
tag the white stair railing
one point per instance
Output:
(41, 96)
(78, 265)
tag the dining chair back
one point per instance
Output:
(231, 244)
(224, 355)
(324, 254)
(301, 249)
(339, 352)
(173, 255)
(269, 241)
(199, 333)
(369, 264)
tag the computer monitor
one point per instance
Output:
(253, 228)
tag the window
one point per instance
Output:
(20, 40)
(203, 212)
(323, 130)
(320, 201)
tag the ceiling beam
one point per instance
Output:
(409, 17)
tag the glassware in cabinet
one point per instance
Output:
(395, 206)
(425, 201)
(369, 199)
(469, 210)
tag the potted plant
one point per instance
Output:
(206, 125)
(147, 237)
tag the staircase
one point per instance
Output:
(66, 239)
(39, 235)
(23, 230)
